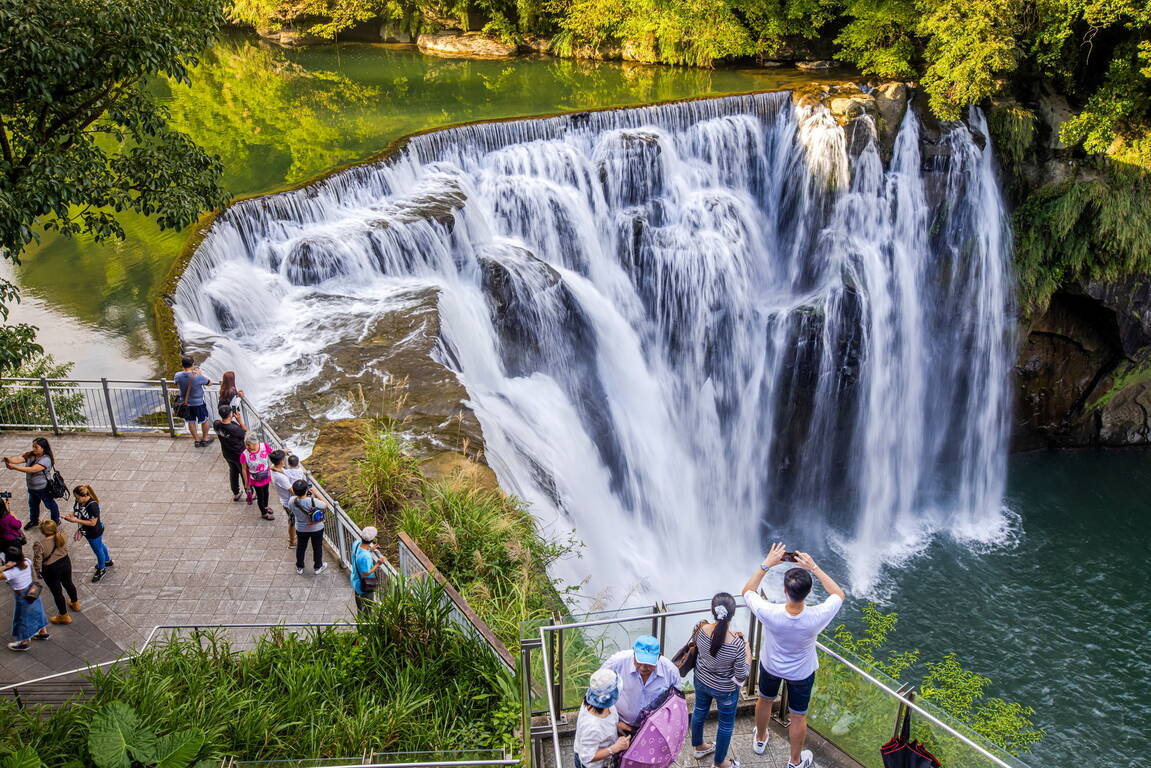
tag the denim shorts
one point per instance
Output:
(798, 691)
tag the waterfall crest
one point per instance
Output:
(685, 329)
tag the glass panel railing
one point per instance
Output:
(858, 715)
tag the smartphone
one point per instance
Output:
(789, 557)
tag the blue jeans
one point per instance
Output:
(725, 703)
(99, 550)
(37, 495)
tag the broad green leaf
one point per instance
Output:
(117, 735)
(178, 750)
(25, 757)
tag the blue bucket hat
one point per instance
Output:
(603, 690)
(646, 649)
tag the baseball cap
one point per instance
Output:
(646, 649)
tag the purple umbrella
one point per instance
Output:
(659, 738)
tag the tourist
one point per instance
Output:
(28, 620)
(190, 385)
(644, 675)
(11, 533)
(282, 482)
(257, 463)
(231, 436)
(790, 631)
(308, 512)
(53, 566)
(37, 465)
(232, 397)
(597, 738)
(722, 663)
(367, 563)
(294, 470)
(86, 514)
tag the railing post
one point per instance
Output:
(51, 405)
(753, 638)
(557, 704)
(661, 607)
(342, 538)
(168, 407)
(108, 402)
(560, 677)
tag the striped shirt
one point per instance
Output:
(723, 672)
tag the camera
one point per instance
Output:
(789, 557)
(5, 495)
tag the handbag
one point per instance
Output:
(686, 656)
(181, 410)
(901, 751)
(32, 593)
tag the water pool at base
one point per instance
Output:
(1060, 621)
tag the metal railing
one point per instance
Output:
(414, 563)
(854, 707)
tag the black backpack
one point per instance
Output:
(57, 488)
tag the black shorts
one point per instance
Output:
(798, 691)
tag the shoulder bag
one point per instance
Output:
(686, 656)
(181, 410)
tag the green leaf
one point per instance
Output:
(25, 757)
(117, 731)
(178, 750)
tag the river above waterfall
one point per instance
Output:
(277, 117)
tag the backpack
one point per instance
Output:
(57, 488)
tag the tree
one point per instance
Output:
(81, 138)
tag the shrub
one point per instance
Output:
(406, 679)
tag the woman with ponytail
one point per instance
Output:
(721, 666)
(52, 564)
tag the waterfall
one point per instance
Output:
(685, 329)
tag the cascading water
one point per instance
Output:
(684, 328)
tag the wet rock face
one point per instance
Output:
(1084, 369)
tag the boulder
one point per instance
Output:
(890, 105)
(815, 66)
(543, 45)
(465, 45)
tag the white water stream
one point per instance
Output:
(685, 329)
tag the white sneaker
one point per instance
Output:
(299, 570)
(703, 752)
(806, 760)
(321, 569)
(757, 746)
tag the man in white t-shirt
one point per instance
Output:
(789, 633)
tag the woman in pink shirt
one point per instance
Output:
(257, 463)
(11, 531)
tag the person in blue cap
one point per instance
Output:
(644, 675)
(597, 739)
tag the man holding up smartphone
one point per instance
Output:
(790, 631)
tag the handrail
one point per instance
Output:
(656, 615)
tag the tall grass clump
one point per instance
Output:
(407, 679)
(488, 547)
(388, 476)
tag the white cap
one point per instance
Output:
(369, 533)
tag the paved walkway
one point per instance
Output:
(184, 552)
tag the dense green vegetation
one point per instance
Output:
(81, 138)
(406, 680)
(485, 542)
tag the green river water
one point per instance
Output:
(1059, 618)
